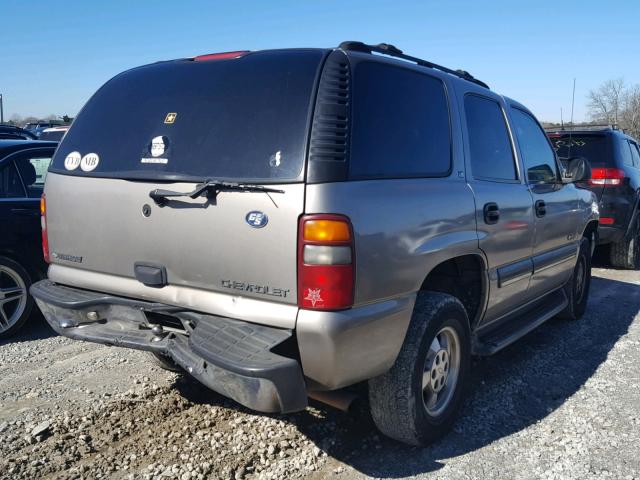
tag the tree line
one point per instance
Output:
(616, 103)
(19, 120)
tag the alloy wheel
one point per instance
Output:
(441, 370)
(13, 298)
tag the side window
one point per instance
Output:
(635, 154)
(33, 170)
(537, 155)
(400, 124)
(10, 184)
(490, 153)
(624, 147)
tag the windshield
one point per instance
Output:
(595, 148)
(242, 119)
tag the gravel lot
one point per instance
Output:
(562, 403)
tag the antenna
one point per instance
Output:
(561, 121)
(573, 100)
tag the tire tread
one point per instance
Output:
(392, 402)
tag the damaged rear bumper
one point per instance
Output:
(236, 359)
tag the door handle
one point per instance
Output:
(25, 212)
(541, 208)
(491, 213)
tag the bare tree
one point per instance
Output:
(630, 116)
(605, 103)
(614, 102)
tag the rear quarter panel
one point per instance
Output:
(403, 229)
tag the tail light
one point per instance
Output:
(606, 220)
(608, 177)
(220, 56)
(43, 223)
(325, 262)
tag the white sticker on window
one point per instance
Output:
(89, 162)
(72, 160)
(162, 161)
(158, 146)
(274, 160)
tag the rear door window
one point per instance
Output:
(537, 155)
(491, 153)
(401, 124)
(635, 154)
(624, 148)
(240, 119)
(33, 171)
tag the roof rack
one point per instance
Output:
(589, 126)
(386, 49)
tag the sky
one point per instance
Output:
(54, 55)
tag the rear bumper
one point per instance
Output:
(341, 348)
(232, 357)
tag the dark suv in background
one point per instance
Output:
(615, 179)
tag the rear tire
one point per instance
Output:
(416, 402)
(626, 253)
(164, 362)
(15, 302)
(577, 288)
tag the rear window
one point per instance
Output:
(54, 136)
(241, 119)
(400, 124)
(595, 148)
(490, 149)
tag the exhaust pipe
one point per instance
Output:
(340, 399)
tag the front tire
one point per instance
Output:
(577, 288)
(417, 400)
(15, 302)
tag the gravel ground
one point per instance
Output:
(562, 403)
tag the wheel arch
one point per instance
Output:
(465, 277)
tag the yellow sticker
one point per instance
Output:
(170, 118)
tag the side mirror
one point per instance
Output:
(576, 169)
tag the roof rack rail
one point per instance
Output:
(392, 51)
(588, 126)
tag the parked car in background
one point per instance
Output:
(615, 179)
(287, 222)
(10, 132)
(23, 168)
(42, 124)
(54, 134)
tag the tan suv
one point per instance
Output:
(292, 221)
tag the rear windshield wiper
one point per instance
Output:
(209, 189)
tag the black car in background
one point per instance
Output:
(615, 179)
(12, 132)
(23, 167)
(55, 134)
(42, 124)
